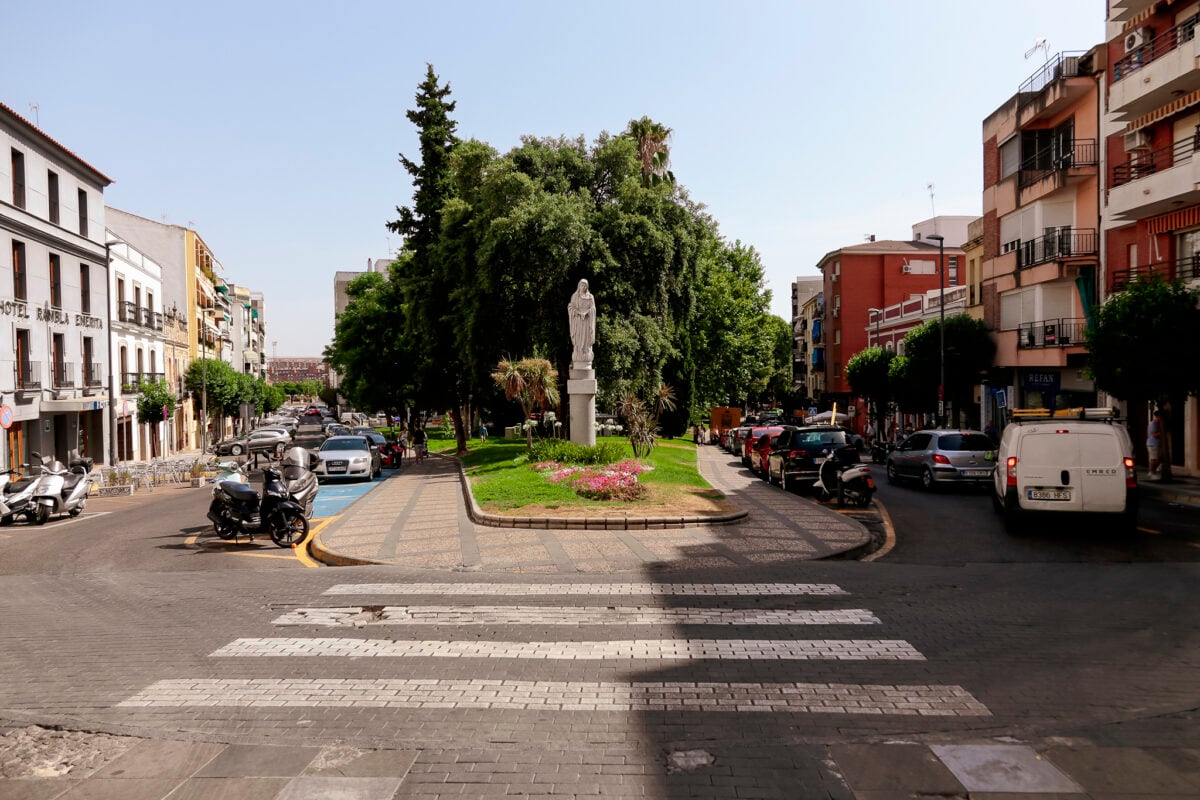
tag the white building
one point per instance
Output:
(138, 347)
(53, 314)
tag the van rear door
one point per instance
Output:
(1102, 469)
(1046, 459)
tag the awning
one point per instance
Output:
(1170, 109)
(1174, 220)
(222, 288)
(1146, 14)
(75, 404)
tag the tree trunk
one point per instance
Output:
(460, 434)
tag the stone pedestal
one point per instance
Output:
(581, 389)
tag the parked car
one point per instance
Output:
(258, 441)
(799, 452)
(1081, 465)
(291, 432)
(752, 439)
(338, 429)
(736, 437)
(761, 449)
(344, 457)
(363, 430)
(936, 457)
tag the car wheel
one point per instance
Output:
(236, 450)
(927, 481)
(892, 475)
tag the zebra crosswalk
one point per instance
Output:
(555, 636)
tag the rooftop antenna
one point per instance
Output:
(932, 207)
(1039, 44)
(37, 117)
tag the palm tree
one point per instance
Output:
(532, 382)
(654, 153)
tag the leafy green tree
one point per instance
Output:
(152, 399)
(969, 352)
(868, 372)
(1134, 347)
(369, 349)
(214, 384)
(532, 382)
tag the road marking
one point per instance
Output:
(889, 540)
(358, 616)
(301, 550)
(1150, 531)
(925, 700)
(592, 589)
(630, 649)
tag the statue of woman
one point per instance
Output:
(581, 312)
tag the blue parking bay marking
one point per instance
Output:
(334, 498)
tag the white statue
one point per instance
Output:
(581, 312)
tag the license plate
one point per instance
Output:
(1049, 494)
(338, 466)
(976, 473)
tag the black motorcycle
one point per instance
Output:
(237, 509)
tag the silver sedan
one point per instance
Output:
(347, 457)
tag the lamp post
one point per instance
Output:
(941, 240)
(878, 312)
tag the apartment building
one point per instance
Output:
(1041, 244)
(1151, 139)
(809, 365)
(803, 290)
(877, 274)
(53, 301)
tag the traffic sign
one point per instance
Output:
(6, 416)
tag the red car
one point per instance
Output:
(762, 449)
(751, 442)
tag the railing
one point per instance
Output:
(1047, 161)
(93, 374)
(131, 382)
(1156, 48)
(1061, 244)
(28, 375)
(156, 321)
(64, 375)
(1063, 65)
(1148, 162)
(127, 312)
(1185, 268)
(1062, 332)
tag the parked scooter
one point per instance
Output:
(60, 491)
(238, 509)
(18, 494)
(879, 452)
(298, 479)
(842, 476)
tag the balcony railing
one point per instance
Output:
(1047, 161)
(1063, 65)
(1061, 244)
(28, 375)
(1148, 162)
(1185, 268)
(127, 312)
(131, 382)
(1062, 332)
(93, 374)
(64, 375)
(1156, 48)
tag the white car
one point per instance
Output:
(347, 457)
(1078, 462)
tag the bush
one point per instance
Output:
(567, 452)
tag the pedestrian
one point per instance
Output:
(869, 433)
(1154, 443)
(420, 443)
(402, 442)
(483, 433)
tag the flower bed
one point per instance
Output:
(612, 482)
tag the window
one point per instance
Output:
(55, 281)
(120, 291)
(953, 276)
(83, 213)
(837, 336)
(58, 347)
(18, 178)
(52, 193)
(20, 288)
(91, 375)
(24, 368)
(85, 289)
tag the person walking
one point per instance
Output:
(483, 434)
(1154, 444)
(420, 443)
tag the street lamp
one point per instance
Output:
(878, 312)
(941, 240)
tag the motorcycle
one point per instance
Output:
(879, 452)
(238, 509)
(298, 479)
(60, 491)
(18, 494)
(841, 475)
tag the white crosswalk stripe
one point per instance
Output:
(591, 589)
(360, 616)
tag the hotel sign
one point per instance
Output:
(55, 316)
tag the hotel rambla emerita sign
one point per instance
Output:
(54, 316)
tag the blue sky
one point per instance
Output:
(273, 128)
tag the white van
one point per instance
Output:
(1077, 461)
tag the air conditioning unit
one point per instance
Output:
(906, 269)
(1137, 140)
(1137, 38)
(836, 311)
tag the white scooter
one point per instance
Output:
(60, 491)
(17, 495)
(843, 476)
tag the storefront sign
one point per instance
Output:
(14, 308)
(1043, 381)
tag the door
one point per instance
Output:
(1102, 472)
(909, 458)
(1048, 471)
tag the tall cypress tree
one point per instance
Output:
(424, 282)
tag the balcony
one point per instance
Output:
(93, 376)
(1057, 246)
(28, 376)
(1061, 82)
(64, 376)
(1185, 268)
(1164, 68)
(1080, 161)
(1062, 332)
(127, 312)
(1155, 181)
(131, 382)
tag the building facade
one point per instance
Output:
(803, 290)
(53, 298)
(1152, 203)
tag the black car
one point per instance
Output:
(798, 453)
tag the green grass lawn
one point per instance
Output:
(501, 479)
